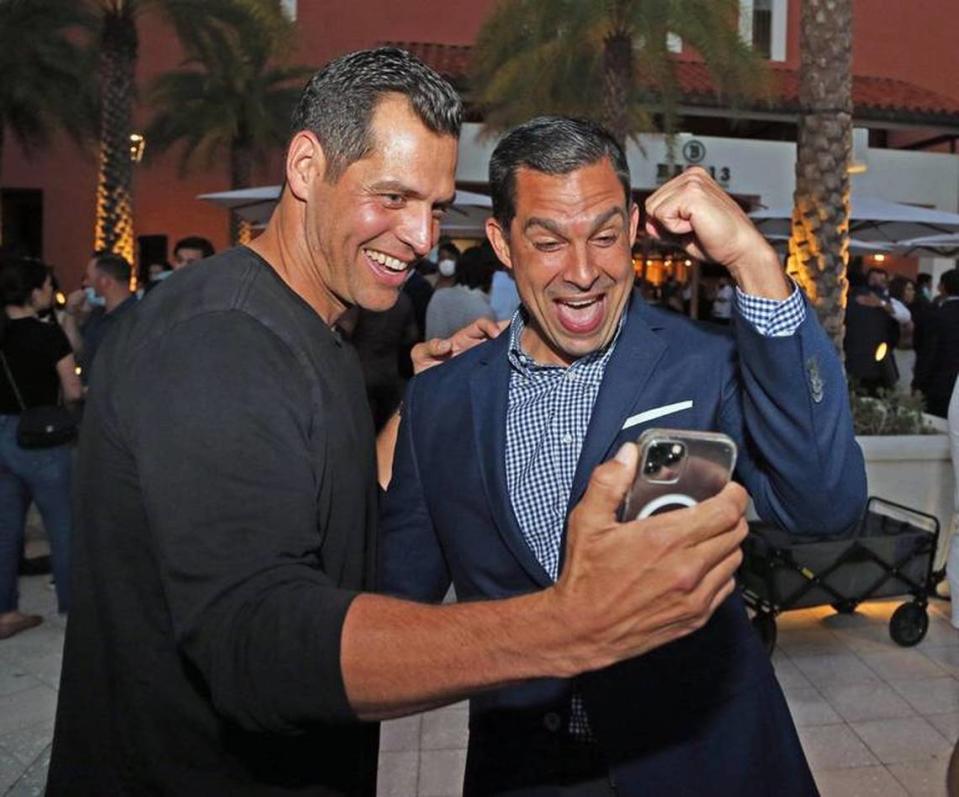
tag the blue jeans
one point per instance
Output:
(41, 475)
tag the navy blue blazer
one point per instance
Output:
(704, 714)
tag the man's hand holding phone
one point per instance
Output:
(627, 588)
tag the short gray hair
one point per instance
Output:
(337, 104)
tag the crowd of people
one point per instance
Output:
(47, 353)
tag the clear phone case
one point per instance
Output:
(678, 468)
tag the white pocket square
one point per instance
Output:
(656, 412)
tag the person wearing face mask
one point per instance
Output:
(38, 368)
(461, 294)
(105, 297)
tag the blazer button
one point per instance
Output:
(552, 722)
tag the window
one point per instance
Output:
(763, 27)
(762, 23)
(289, 8)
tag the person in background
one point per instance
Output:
(465, 300)
(189, 249)
(383, 341)
(937, 368)
(924, 286)
(418, 288)
(722, 311)
(903, 290)
(447, 256)
(95, 309)
(952, 560)
(38, 367)
(872, 328)
(503, 296)
(155, 274)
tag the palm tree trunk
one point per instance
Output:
(241, 166)
(118, 53)
(819, 245)
(617, 82)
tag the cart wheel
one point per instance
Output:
(765, 625)
(845, 607)
(909, 624)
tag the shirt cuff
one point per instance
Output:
(773, 318)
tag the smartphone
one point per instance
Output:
(678, 468)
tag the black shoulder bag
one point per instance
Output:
(41, 427)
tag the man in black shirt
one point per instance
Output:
(103, 300)
(220, 640)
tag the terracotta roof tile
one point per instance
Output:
(871, 95)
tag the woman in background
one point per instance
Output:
(40, 361)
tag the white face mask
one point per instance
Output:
(94, 299)
(447, 268)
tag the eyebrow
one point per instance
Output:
(396, 187)
(553, 227)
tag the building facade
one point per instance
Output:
(906, 94)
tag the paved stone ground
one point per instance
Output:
(875, 719)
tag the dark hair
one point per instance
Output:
(552, 145)
(113, 265)
(446, 245)
(475, 267)
(897, 287)
(924, 279)
(876, 270)
(950, 282)
(337, 104)
(195, 242)
(20, 277)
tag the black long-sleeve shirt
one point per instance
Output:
(226, 519)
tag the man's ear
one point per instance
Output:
(500, 242)
(633, 223)
(305, 162)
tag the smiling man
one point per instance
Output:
(220, 642)
(585, 366)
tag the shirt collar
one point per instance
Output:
(523, 363)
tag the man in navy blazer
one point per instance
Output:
(497, 445)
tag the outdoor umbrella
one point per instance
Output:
(946, 245)
(856, 247)
(871, 220)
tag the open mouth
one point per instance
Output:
(581, 315)
(389, 269)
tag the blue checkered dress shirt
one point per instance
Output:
(546, 421)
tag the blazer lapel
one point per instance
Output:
(489, 392)
(632, 363)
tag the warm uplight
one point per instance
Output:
(857, 168)
(78, 370)
(687, 263)
(879, 258)
(137, 146)
(60, 298)
(881, 350)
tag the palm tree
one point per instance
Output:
(40, 88)
(203, 22)
(819, 245)
(232, 101)
(605, 59)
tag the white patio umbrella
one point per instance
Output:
(946, 245)
(856, 247)
(253, 204)
(871, 220)
(466, 218)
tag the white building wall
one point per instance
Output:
(764, 169)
